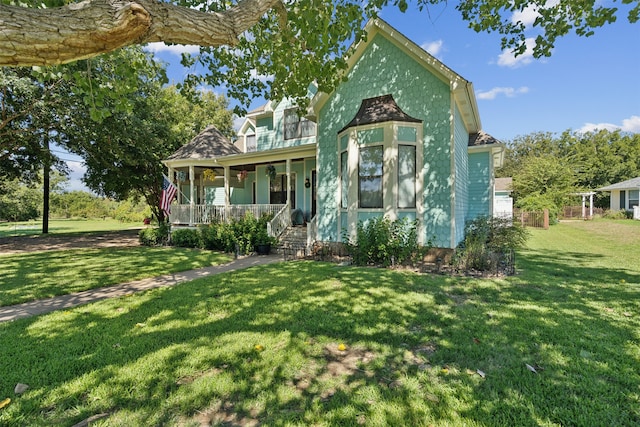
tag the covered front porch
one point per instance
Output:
(219, 185)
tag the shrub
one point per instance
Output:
(154, 236)
(241, 234)
(487, 240)
(621, 214)
(186, 238)
(381, 241)
(219, 236)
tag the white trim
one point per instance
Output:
(462, 88)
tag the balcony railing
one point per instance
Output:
(206, 214)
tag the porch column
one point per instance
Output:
(584, 212)
(192, 194)
(227, 191)
(288, 171)
(590, 205)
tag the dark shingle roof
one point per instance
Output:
(209, 144)
(481, 138)
(379, 110)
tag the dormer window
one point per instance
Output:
(296, 126)
(250, 143)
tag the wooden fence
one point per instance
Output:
(576, 212)
(537, 219)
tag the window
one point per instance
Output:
(634, 195)
(296, 126)
(277, 192)
(250, 143)
(406, 176)
(344, 177)
(370, 173)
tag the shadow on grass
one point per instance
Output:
(261, 346)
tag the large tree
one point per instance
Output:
(292, 42)
(123, 152)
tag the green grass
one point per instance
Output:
(38, 275)
(414, 346)
(62, 226)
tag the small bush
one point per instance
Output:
(621, 214)
(154, 236)
(381, 241)
(487, 241)
(186, 238)
(241, 234)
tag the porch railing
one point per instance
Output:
(312, 231)
(205, 214)
(280, 222)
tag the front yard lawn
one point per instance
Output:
(307, 343)
(30, 276)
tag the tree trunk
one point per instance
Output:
(83, 30)
(45, 185)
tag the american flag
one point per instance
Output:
(169, 191)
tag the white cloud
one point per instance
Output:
(509, 92)
(175, 49)
(632, 124)
(526, 16)
(262, 77)
(508, 59)
(433, 47)
(529, 14)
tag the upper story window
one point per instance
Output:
(296, 126)
(250, 143)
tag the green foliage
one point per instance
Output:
(154, 236)
(186, 238)
(544, 182)
(19, 202)
(240, 234)
(487, 240)
(81, 204)
(620, 214)
(592, 159)
(131, 211)
(381, 241)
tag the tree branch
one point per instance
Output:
(83, 30)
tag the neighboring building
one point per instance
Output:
(625, 195)
(502, 200)
(401, 137)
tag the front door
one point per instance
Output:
(277, 190)
(313, 193)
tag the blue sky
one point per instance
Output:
(587, 83)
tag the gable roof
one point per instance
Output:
(379, 110)
(481, 138)
(630, 184)
(462, 89)
(208, 144)
(504, 184)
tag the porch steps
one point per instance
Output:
(293, 242)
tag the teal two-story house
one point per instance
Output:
(401, 137)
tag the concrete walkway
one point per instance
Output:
(35, 308)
